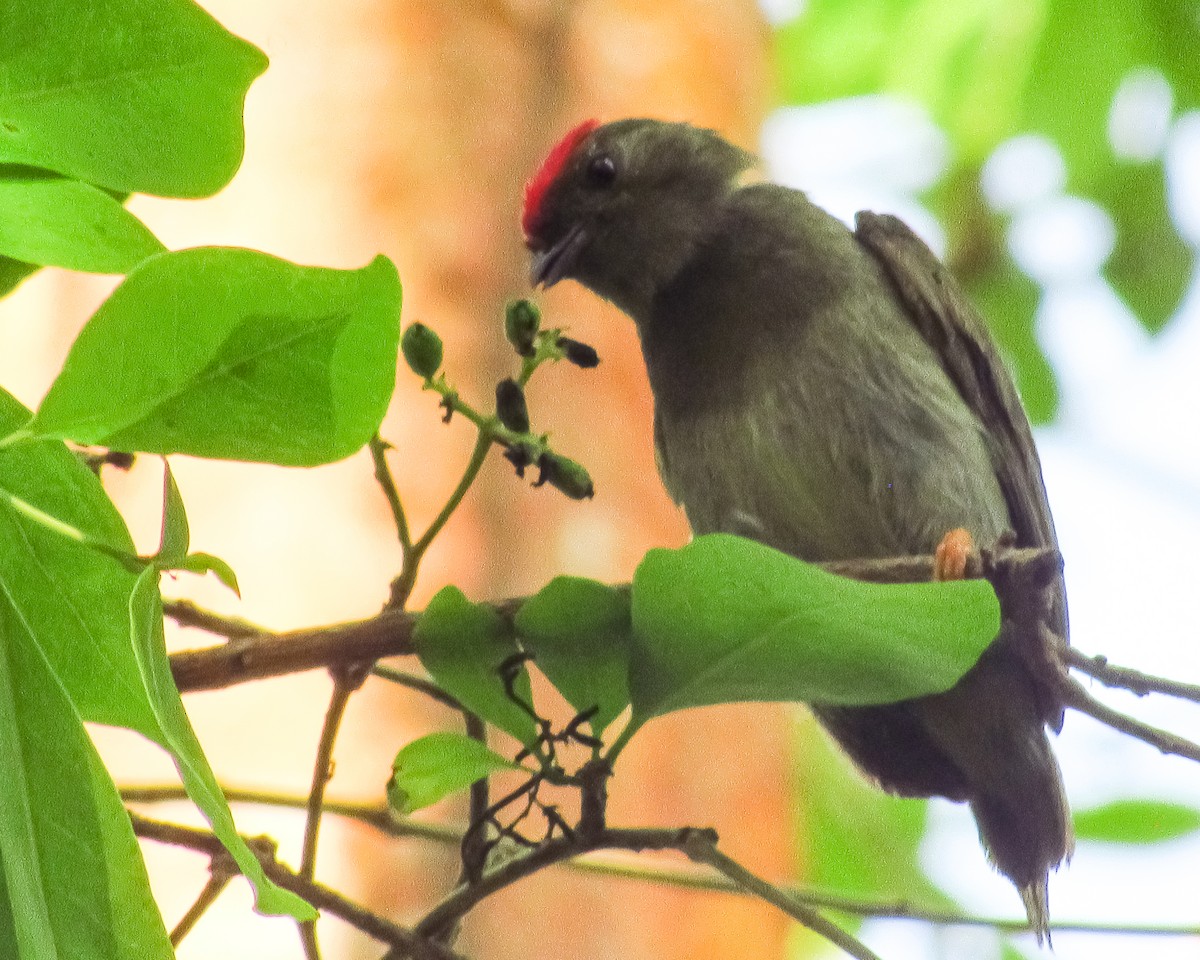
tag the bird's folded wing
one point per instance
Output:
(954, 329)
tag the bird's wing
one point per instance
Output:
(952, 326)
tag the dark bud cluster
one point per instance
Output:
(422, 349)
(578, 353)
(522, 320)
(511, 407)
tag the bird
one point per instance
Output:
(832, 393)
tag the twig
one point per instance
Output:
(474, 847)
(387, 483)
(188, 614)
(691, 878)
(413, 682)
(561, 848)
(703, 849)
(221, 869)
(1079, 699)
(320, 896)
(403, 584)
(1126, 678)
(345, 682)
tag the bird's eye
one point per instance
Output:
(601, 171)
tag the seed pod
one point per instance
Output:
(510, 406)
(566, 476)
(578, 353)
(521, 322)
(422, 349)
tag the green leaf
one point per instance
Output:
(176, 535)
(12, 272)
(72, 598)
(725, 619)
(236, 355)
(74, 602)
(173, 732)
(54, 221)
(203, 563)
(462, 645)
(1152, 265)
(74, 883)
(1137, 821)
(438, 765)
(579, 632)
(135, 95)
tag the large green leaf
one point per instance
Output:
(55, 221)
(235, 355)
(74, 884)
(135, 95)
(726, 619)
(463, 646)
(579, 633)
(72, 604)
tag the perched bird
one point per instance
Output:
(830, 393)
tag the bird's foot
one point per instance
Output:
(950, 557)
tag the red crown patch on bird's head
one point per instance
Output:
(551, 167)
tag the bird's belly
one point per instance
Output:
(831, 483)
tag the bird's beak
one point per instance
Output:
(550, 265)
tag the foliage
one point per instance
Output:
(989, 71)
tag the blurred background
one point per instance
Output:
(1048, 149)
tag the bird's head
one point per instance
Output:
(621, 207)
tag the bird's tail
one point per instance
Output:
(1026, 831)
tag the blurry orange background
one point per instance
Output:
(408, 127)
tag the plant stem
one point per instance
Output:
(403, 584)
(701, 849)
(387, 483)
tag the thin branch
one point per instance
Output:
(345, 682)
(702, 848)
(413, 682)
(474, 847)
(1126, 678)
(188, 614)
(685, 877)
(464, 898)
(221, 869)
(389, 634)
(320, 896)
(1166, 742)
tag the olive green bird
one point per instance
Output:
(830, 393)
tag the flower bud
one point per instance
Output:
(566, 476)
(521, 322)
(578, 353)
(511, 407)
(422, 349)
